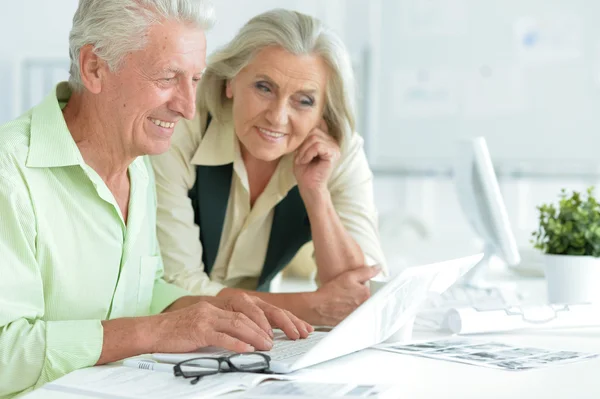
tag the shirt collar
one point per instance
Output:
(141, 166)
(285, 174)
(51, 143)
(217, 146)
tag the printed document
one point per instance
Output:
(130, 383)
(305, 390)
(488, 354)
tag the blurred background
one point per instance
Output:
(525, 74)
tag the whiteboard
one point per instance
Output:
(525, 74)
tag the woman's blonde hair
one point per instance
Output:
(298, 34)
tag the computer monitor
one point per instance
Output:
(481, 201)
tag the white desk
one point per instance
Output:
(428, 378)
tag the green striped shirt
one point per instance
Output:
(67, 259)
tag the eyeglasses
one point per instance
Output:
(199, 367)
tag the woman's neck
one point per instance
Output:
(259, 174)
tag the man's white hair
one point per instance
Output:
(298, 34)
(117, 27)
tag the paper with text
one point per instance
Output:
(130, 383)
(305, 390)
(488, 354)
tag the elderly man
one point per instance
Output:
(80, 269)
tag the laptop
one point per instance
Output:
(388, 310)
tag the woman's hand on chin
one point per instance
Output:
(314, 161)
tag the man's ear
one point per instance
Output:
(92, 69)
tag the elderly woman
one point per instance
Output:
(270, 162)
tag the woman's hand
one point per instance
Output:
(340, 296)
(315, 159)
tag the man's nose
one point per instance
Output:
(185, 100)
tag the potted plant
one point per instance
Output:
(569, 236)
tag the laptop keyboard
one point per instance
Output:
(284, 348)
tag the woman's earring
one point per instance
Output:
(228, 91)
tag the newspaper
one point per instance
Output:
(488, 354)
(121, 382)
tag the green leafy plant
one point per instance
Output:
(571, 229)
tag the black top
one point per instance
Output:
(210, 196)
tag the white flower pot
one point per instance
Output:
(572, 279)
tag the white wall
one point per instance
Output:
(30, 28)
(523, 73)
(232, 14)
(39, 29)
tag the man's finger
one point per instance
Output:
(246, 305)
(239, 326)
(258, 330)
(280, 319)
(303, 327)
(225, 341)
